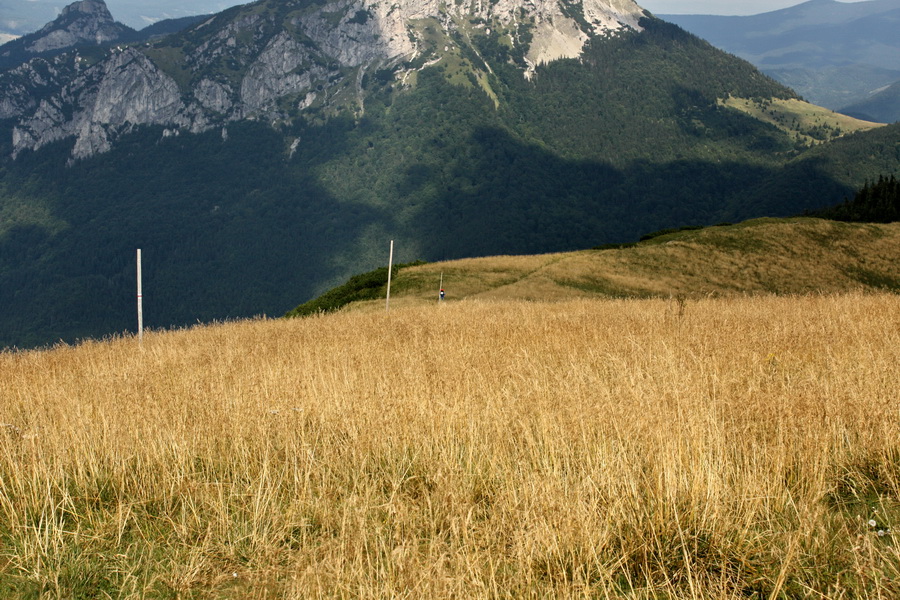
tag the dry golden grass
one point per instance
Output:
(784, 256)
(713, 448)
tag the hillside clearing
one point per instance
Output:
(804, 122)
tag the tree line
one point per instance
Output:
(878, 202)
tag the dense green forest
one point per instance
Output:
(875, 203)
(626, 140)
(364, 286)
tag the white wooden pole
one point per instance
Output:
(387, 305)
(140, 300)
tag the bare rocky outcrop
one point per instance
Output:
(87, 21)
(117, 94)
(245, 67)
(284, 67)
(214, 96)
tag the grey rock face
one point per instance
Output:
(39, 78)
(247, 66)
(284, 67)
(87, 21)
(133, 90)
(214, 96)
(112, 97)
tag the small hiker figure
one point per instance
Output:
(442, 293)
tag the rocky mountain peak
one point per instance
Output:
(86, 21)
(94, 8)
(274, 59)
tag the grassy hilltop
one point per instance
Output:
(782, 256)
(717, 448)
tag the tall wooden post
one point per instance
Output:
(387, 305)
(140, 300)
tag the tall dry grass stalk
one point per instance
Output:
(725, 448)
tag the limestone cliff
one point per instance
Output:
(276, 58)
(87, 22)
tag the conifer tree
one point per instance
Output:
(875, 203)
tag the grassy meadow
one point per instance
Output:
(744, 447)
(761, 256)
(804, 122)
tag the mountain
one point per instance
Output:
(88, 26)
(166, 27)
(832, 53)
(87, 22)
(214, 76)
(21, 17)
(269, 152)
(882, 106)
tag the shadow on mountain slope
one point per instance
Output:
(234, 228)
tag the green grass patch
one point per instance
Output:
(365, 286)
(171, 61)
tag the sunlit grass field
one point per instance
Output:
(761, 256)
(804, 122)
(743, 447)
